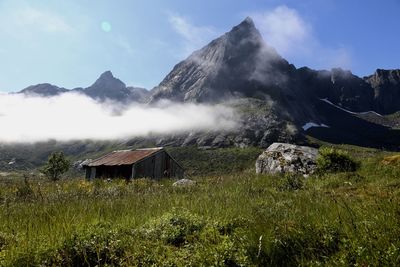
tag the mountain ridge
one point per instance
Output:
(241, 70)
(106, 87)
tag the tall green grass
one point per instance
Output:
(236, 219)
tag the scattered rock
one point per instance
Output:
(184, 183)
(78, 165)
(287, 158)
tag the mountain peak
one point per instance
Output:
(248, 21)
(246, 25)
(107, 74)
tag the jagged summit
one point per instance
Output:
(247, 24)
(106, 75)
(108, 80)
(238, 63)
(248, 20)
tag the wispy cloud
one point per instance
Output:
(194, 37)
(30, 119)
(125, 45)
(42, 20)
(24, 20)
(292, 36)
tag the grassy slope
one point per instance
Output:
(231, 217)
(198, 162)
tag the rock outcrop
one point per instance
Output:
(287, 158)
(386, 85)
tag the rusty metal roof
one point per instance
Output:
(124, 157)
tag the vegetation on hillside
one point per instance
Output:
(56, 165)
(235, 219)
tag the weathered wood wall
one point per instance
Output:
(158, 166)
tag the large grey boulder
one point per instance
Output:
(287, 158)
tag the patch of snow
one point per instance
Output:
(348, 111)
(309, 125)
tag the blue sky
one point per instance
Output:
(70, 43)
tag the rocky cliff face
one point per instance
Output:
(386, 85)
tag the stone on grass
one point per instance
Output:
(184, 183)
(287, 158)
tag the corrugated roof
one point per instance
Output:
(124, 157)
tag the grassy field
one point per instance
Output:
(231, 218)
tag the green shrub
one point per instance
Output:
(99, 245)
(291, 182)
(335, 160)
(300, 243)
(174, 228)
(24, 191)
(56, 165)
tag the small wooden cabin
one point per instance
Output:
(154, 163)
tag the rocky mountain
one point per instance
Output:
(240, 65)
(274, 100)
(106, 87)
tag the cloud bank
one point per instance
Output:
(75, 117)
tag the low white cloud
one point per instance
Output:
(194, 37)
(77, 117)
(293, 37)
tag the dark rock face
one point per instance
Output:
(386, 85)
(339, 86)
(44, 89)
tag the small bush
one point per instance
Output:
(301, 243)
(175, 228)
(335, 160)
(56, 165)
(291, 182)
(98, 245)
(24, 191)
